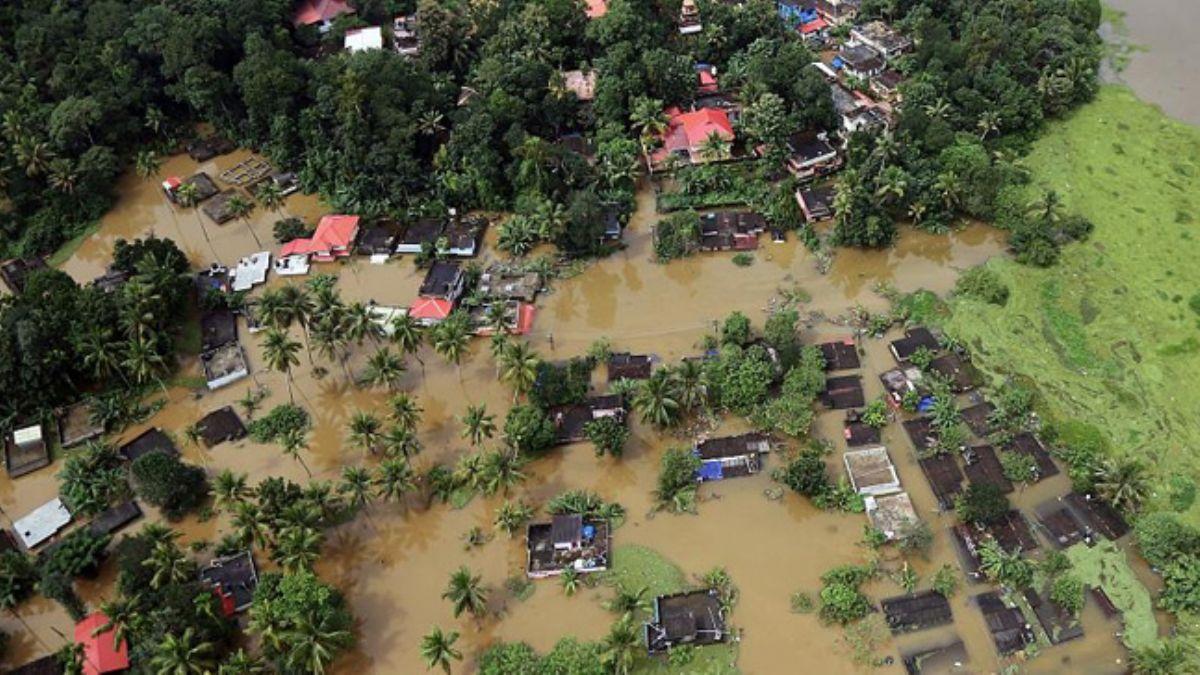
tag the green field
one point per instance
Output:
(1111, 335)
(1105, 566)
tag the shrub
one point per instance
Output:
(18, 577)
(677, 236)
(736, 329)
(92, 479)
(584, 503)
(1067, 591)
(78, 554)
(741, 378)
(981, 503)
(608, 435)
(945, 581)
(677, 479)
(875, 414)
(1018, 467)
(1181, 585)
(287, 229)
(164, 481)
(840, 600)
(529, 430)
(806, 474)
(279, 421)
(1163, 537)
(743, 259)
(561, 384)
(982, 284)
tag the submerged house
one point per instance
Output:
(422, 234)
(731, 456)
(233, 579)
(860, 61)
(333, 239)
(919, 611)
(115, 518)
(687, 135)
(377, 239)
(871, 471)
(627, 366)
(100, 653)
(201, 182)
(445, 280)
(405, 38)
(14, 273)
(692, 618)
(37, 526)
(811, 155)
(221, 355)
(1010, 632)
(840, 354)
(948, 658)
(858, 433)
(730, 230)
(221, 426)
(567, 541)
(150, 440)
(75, 425)
(892, 514)
(816, 203)
(570, 421)
(507, 283)
(914, 339)
(462, 235)
(25, 451)
(843, 392)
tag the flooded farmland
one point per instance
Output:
(392, 561)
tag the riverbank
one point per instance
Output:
(1111, 335)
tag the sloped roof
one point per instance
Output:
(101, 653)
(596, 8)
(309, 12)
(332, 232)
(431, 308)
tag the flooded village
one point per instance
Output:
(904, 425)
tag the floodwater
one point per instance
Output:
(1162, 69)
(393, 562)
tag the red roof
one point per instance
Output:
(334, 235)
(309, 12)
(688, 131)
(708, 80)
(100, 654)
(596, 8)
(431, 309)
(813, 26)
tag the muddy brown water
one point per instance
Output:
(1162, 69)
(393, 562)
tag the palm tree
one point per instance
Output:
(183, 655)
(989, 123)
(328, 333)
(949, 186)
(570, 581)
(385, 368)
(356, 485)
(939, 108)
(240, 207)
(518, 367)
(478, 424)
(657, 399)
(629, 602)
(63, 176)
(431, 123)
(692, 383)
(365, 431)
(398, 441)
(395, 479)
(96, 348)
(271, 196)
(168, 564)
(298, 548)
(272, 311)
(123, 613)
(650, 122)
(621, 646)
(1124, 483)
(293, 442)
(408, 335)
(500, 470)
(229, 489)
(893, 185)
(313, 644)
(714, 147)
(360, 323)
(437, 648)
(188, 196)
(250, 525)
(296, 305)
(450, 339)
(511, 516)
(1047, 208)
(143, 362)
(147, 163)
(279, 351)
(466, 593)
(1009, 569)
(33, 155)
(241, 663)
(405, 411)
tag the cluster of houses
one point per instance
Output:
(321, 14)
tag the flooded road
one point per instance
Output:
(393, 562)
(1162, 69)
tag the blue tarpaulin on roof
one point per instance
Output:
(710, 471)
(837, 63)
(926, 404)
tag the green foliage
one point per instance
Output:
(806, 474)
(1018, 467)
(568, 656)
(1162, 537)
(791, 412)
(561, 384)
(677, 236)
(875, 414)
(1181, 585)
(294, 613)
(287, 229)
(18, 577)
(278, 422)
(529, 430)
(1004, 567)
(584, 503)
(1067, 591)
(981, 503)
(802, 603)
(736, 329)
(945, 581)
(77, 554)
(92, 479)
(677, 480)
(743, 259)
(164, 481)
(982, 284)
(740, 378)
(608, 435)
(840, 599)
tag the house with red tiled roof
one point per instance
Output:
(687, 133)
(430, 311)
(706, 79)
(333, 239)
(101, 652)
(596, 8)
(320, 13)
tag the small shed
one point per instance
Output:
(691, 618)
(840, 354)
(1061, 525)
(943, 660)
(1006, 624)
(962, 375)
(101, 653)
(983, 467)
(1060, 625)
(978, 418)
(871, 471)
(1098, 515)
(919, 611)
(75, 425)
(202, 182)
(626, 366)
(220, 426)
(731, 456)
(150, 440)
(224, 365)
(219, 207)
(843, 392)
(42, 523)
(944, 477)
(1012, 532)
(891, 514)
(913, 339)
(233, 579)
(1028, 444)
(25, 451)
(115, 517)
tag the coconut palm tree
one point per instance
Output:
(621, 646)
(384, 368)
(229, 489)
(501, 469)
(657, 399)
(629, 602)
(168, 564)
(280, 353)
(298, 549)
(395, 479)
(1047, 208)
(989, 123)
(466, 593)
(570, 581)
(147, 163)
(949, 186)
(650, 122)
(1124, 483)
(518, 367)
(123, 614)
(96, 348)
(33, 156)
(450, 339)
(241, 208)
(143, 362)
(250, 525)
(399, 442)
(313, 643)
(271, 196)
(714, 147)
(293, 442)
(360, 323)
(1009, 569)
(188, 196)
(405, 412)
(356, 486)
(512, 516)
(437, 648)
(365, 431)
(296, 305)
(478, 424)
(183, 655)
(329, 336)
(692, 383)
(408, 335)
(63, 177)
(241, 663)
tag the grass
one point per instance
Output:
(69, 247)
(1106, 334)
(638, 566)
(1105, 566)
